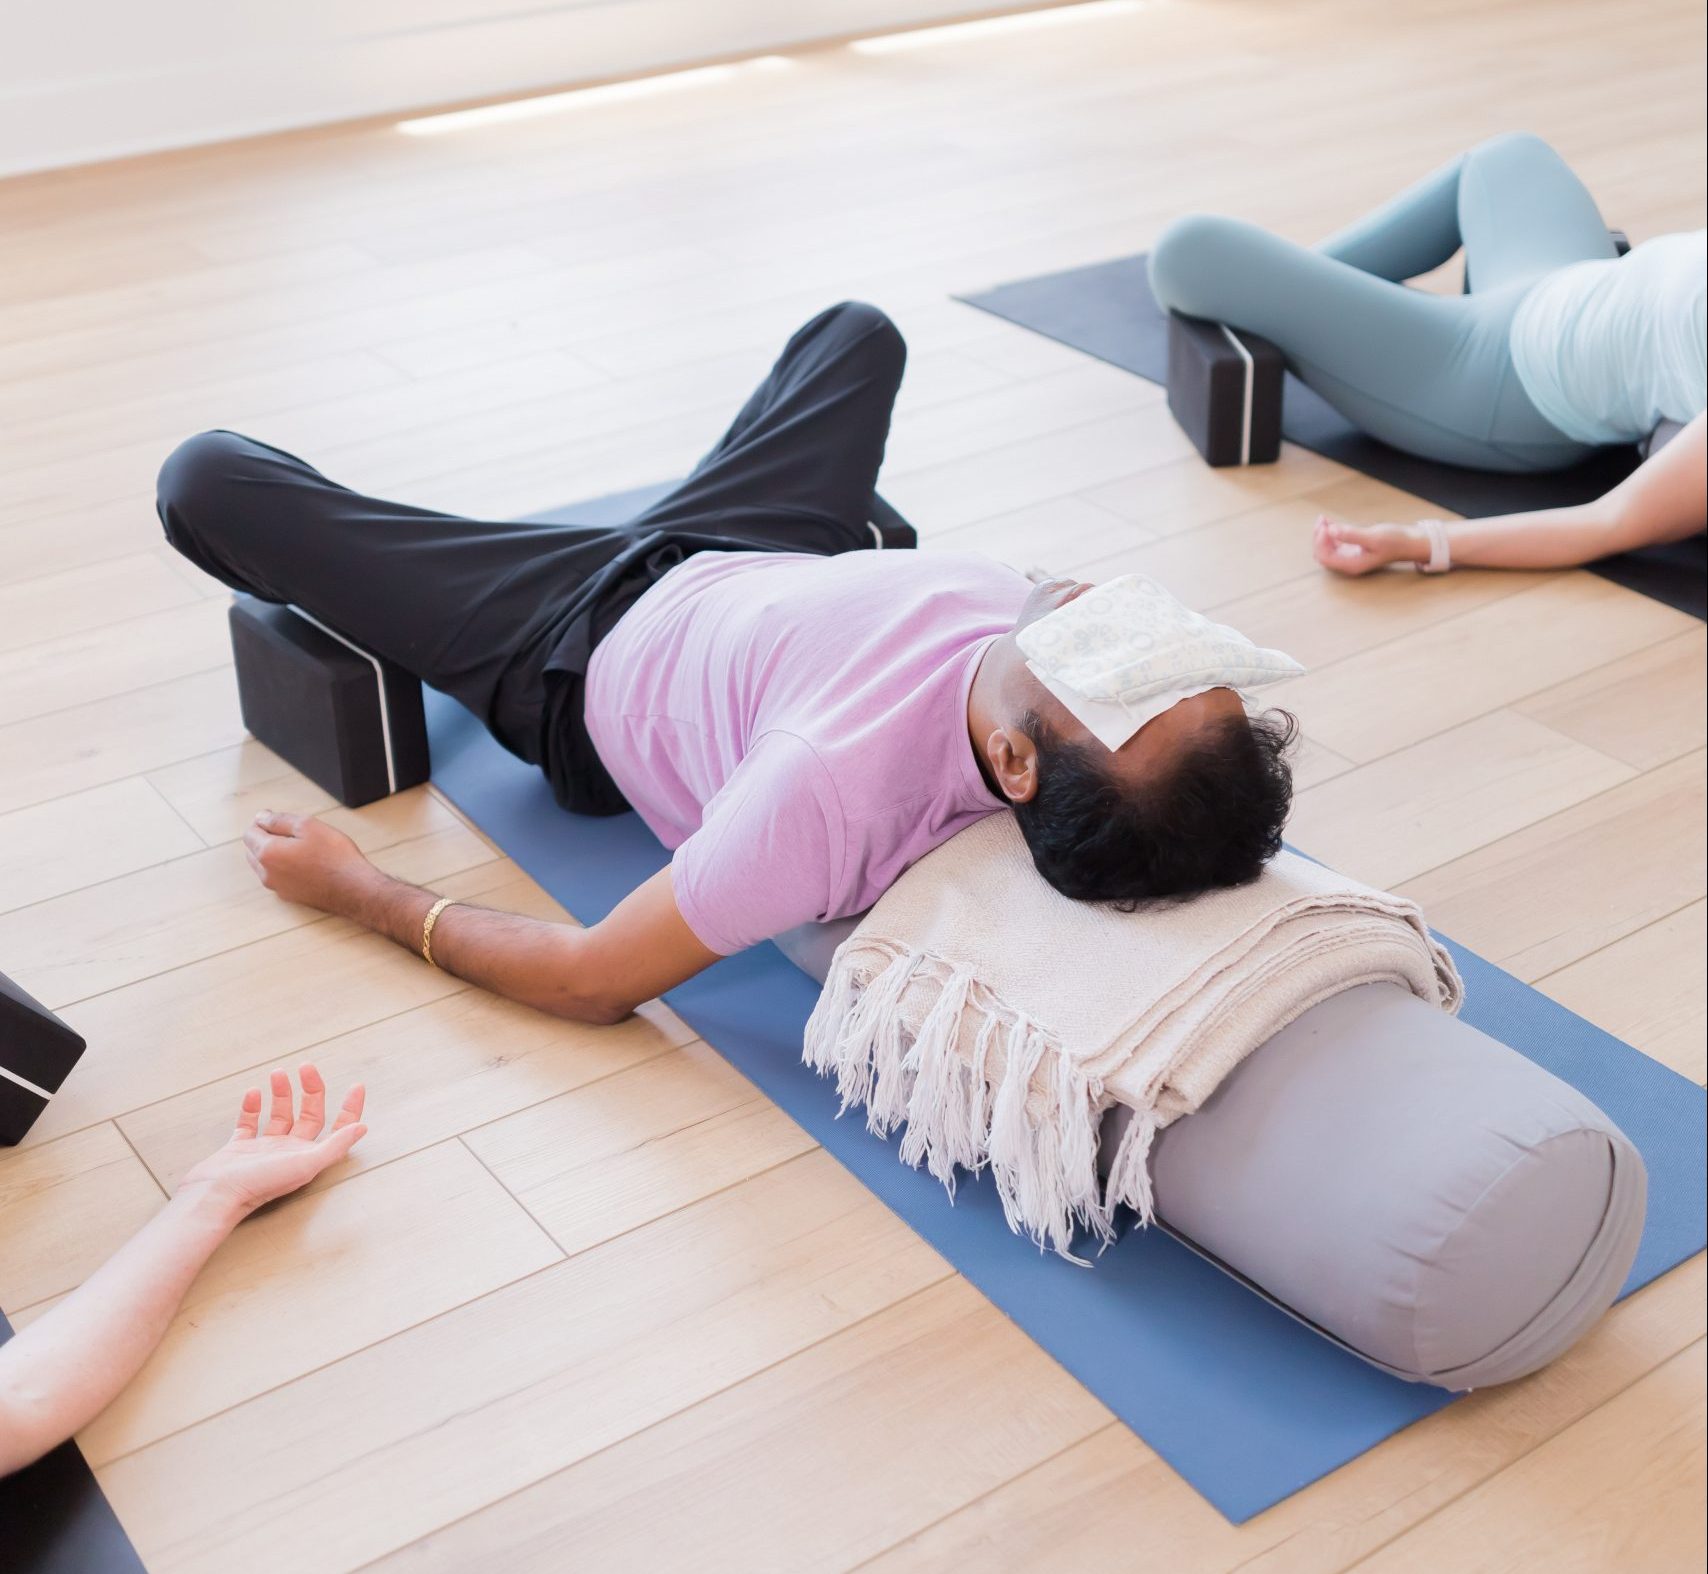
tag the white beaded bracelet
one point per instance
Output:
(1440, 556)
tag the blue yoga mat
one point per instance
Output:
(1247, 1404)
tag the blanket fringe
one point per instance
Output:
(1035, 1126)
(968, 1032)
(1130, 1170)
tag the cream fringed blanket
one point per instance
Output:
(998, 1019)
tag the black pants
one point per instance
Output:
(504, 615)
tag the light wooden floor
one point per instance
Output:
(586, 1300)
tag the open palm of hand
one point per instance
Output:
(259, 1164)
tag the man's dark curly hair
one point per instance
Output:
(1211, 818)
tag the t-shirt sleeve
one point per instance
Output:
(768, 852)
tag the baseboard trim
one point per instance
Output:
(264, 87)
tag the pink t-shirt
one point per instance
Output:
(795, 727)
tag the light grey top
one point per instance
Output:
(1608, 349)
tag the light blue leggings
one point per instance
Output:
(1428, 373)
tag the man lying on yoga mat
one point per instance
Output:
(799, 719)
(63, 1369)
(1557, 347)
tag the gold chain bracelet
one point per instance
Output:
(427, 928)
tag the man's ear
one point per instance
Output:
(1013, 760)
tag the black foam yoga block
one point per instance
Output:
(1224, 389)
(894, 531)
(348, 721)
(37, 1052)
(55, 1520)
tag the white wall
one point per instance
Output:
(92, 79)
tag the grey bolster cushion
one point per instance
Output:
(1414, 1190)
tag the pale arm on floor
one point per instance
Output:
(1664, 499)
(65, 1368)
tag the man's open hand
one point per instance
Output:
(304, 860)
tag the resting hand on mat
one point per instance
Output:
(66, 1367)
(597, 974)
(1664, 499)
(305, 860)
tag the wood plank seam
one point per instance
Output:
(347, 1354)
(1041, 1464)
(224, 950)
(1511, 1464)
(154, 787)
(1626, 784)
(694, 1201)
(1655, 922)
(703, 1399)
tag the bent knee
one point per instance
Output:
(861, 317)
(197, 471)
(1523, 144)
(871, 329)
(1191, 253)
(1518, 159)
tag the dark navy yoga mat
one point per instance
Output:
(1107, 310)
(1247, 1404)
(54, 1518)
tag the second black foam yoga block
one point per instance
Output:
(1224, 389)
(347, 720)
(37, 1052)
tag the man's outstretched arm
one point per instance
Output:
(598, 974)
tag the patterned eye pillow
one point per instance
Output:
(1122, 653)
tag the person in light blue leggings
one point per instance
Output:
(1430, 374)
(1556, 347)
